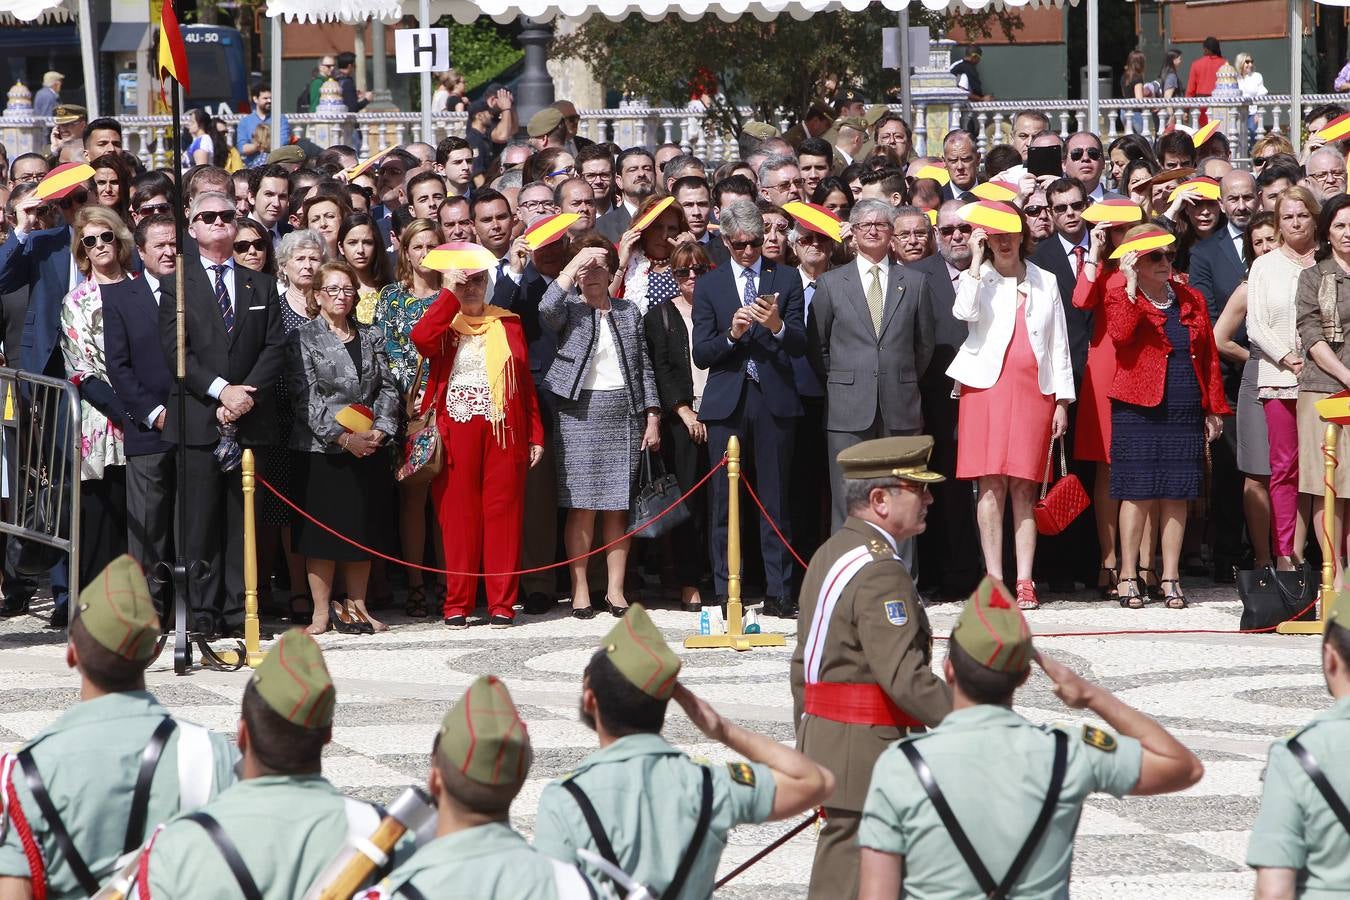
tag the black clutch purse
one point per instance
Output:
(1270, 597)
(657, 490)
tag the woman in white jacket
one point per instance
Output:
(1016, 383)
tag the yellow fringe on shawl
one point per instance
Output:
(501, 374)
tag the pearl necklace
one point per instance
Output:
(1165, 304)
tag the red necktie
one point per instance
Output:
(1078, 254)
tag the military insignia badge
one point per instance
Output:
(896, 612)
(741, 773)
(1096, 737)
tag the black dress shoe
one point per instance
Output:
(501, 622)
(585, 612)
(780, 608)
(13, 606)
(538, 603)
(60, 616)
(456, 622)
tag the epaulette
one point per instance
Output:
(880, 549)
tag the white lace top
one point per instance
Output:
(468, 394)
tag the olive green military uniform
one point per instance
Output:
(285, 828)
(861, 626)
(1296, 828)
(994, 769)
(483, 738)
(646, 793)
(90, 758)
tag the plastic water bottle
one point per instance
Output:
(704, 622)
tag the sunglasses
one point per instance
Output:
(209, 216)
(964, 228)
(71, 200)
(93, 240)
(686, 271)
(1092, 153)
(155, 209)
(1060, 209)
(1035, 210)
(1260, 161)
(738, 246)
(1158, 255)
(260, 245)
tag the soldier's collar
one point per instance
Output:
(481, 840)
(121, 705)
(1338, 710)
(631, 747)
(980, 716)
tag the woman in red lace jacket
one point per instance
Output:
(488, 417)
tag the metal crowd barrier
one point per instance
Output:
(41, 467)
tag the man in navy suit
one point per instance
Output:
(142, 380)
(748, 326)
(42, 261)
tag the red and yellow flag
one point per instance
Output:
(172, 50)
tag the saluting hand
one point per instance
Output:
(700, 712)
(1073, 690)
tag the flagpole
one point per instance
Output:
(182, 649)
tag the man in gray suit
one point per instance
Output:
(636, 171)
(873, 327)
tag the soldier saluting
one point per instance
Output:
(93, 786)
(986, 804)
(862, 672)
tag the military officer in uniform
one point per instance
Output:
(270, 835)
(642, 804)
(93, 785)
(1013, 791)
(1300, 844)
(862, 673)
(479, 762)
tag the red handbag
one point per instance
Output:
(1061, 504)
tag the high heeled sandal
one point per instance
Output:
(415, 604)
(1026, 595)
(1130, 597)
(1151, 591)
(1110, 591)
(1173, 599)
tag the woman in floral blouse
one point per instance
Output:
(399, 308)
(102, 249)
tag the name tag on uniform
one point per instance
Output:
(896, 612)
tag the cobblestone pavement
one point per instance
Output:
(1226, 695)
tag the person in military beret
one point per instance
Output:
(547, 128)
(270, 835)
(479, 761)
(93, 785)
(862, 671)
(641, 804)
(1300, 844)
(849, 136)
(68, 124)
(1013, 791)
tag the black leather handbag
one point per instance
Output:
(1270, 597)
(657, 490)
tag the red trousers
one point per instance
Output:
(480, 502)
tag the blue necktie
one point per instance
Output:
(223, 298)
(747, 299)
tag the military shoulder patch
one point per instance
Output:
(1098, 738)
(741, 773)
(896, 612)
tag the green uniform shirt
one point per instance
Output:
(647, 794)
(89, 759)
(286, 828)
(1295, 828)
(490, 862)
(994, 769)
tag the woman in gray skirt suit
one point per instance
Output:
(607, 410)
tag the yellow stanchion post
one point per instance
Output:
(735, 637)
(252, 636)
(1330, 541)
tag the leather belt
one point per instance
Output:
(856, 704)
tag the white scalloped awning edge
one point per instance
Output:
(35, 11)
(334, 10)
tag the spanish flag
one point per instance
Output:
(172, 50)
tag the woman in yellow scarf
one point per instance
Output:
(487, 415)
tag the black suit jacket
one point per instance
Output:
(615, 222)
(1050, 255)
(668, 349)
(249, 354)
(143, 381)
(1216, 271)
(523, 300)
(716, 299)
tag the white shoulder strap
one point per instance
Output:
(196, 766)
(568, 883)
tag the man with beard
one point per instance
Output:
(693, 196)
(637, 180)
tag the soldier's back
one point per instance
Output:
(488, 862)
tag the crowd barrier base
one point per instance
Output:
(1329, 542)
(735, 638)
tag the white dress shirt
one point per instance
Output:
(738, 274)
(153, 283)
(219, 384)
(865, 274)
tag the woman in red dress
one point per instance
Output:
(488, 417)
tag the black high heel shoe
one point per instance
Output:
(342, 618)
(615, 611)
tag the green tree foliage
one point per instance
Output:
(772, 67)
(481, 51)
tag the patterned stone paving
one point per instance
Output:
(1226, 695)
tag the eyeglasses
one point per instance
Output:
(1035, 210)
(912, 235)
(569, 172)
(776, 229)
(334, 291)
(71, 200)
(259, 245)
(739, 246)
(949, 230)
(93, 240)
(1092, 153)
(1060, 209)
(209, 216)
(1259, 161)
(796, 182)
(1329, 175)
(155, 209)
(535, 204)
(687, 271)
(1159, 255)
(31, 176)
(872, 226)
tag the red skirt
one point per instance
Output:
(1092, 430)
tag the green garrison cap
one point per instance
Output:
(640, 653)
(993, 630)
(543, 122)
(293, 680)
(484, 737)
(890, 457)
(1336, 610)
(760, 130)
(117, 611)
(857, 123)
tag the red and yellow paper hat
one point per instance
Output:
(355, 171)
(653, 214)
(62, 180)
(549, 229)
(932, 217)
(1336, 408)
(1207, 188)
(1337, 129)
(1204, 133)
(464, 256)
(1000, 191)
(355, 417)
(1114, 212)
(936, 171)
(814, 217)
(992, 216)
(1142, 243)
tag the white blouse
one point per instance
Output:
(469, 394)
(1272, 321)
(604, 372)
